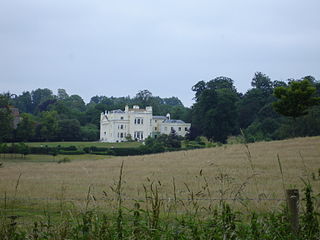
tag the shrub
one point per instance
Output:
(64, 160)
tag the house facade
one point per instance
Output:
(137, 124)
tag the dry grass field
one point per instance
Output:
(229, 171)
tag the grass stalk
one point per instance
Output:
(282, 176)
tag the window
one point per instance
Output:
(186, 129)
(118, 134)
(179, 128)
(155, 128)
(172, 128)
(121, 118)
(138, 121)
(105, 133)
(121, 135)
(138, 135)
(121, 127)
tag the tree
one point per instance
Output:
(296, 99)
(214, 113)
(250, 104)
(6, 124)
(40, 95)
(49, 125)
(75, 102)
(62, 94)
(26, 128)
(143, 97)
(89, 132)
(24, 102)
(263, 82)
(68, 130)
(221, 83)
(198, 89)
(172, 101)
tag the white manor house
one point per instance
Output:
(118, 125)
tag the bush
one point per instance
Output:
(64, 160)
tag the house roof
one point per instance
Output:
(159, 117)
(173, 121)
(117, 111)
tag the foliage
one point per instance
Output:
(6, 126)
(26, 128)
(147, 219)
(214, 113)
(164, 141)
(296, 99)
(219, 111)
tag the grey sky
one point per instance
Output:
(116, 48)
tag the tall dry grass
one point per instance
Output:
(217, 173)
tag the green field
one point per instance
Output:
(40, 158)
(81, 145)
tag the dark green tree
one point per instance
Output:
(26, 128)
(48, 128)
(68, 130)
(89, 132)
(62, 94)
(263, 82)
(6, 120)
(296, 99)
(39, 96)
(214, 114)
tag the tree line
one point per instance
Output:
(270, 110)
(63, 117)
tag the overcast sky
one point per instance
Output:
(116, 48)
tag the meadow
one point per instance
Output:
(250, 178)
(82, 145)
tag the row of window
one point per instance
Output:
(138, 121)
(138, 135)
(121, 135)
(172, 128)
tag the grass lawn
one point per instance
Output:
(38, 158)
(81, 145)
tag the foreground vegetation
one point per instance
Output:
(151, 222)
(228, 192)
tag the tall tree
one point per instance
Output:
(6, 124)
(26, 128)
(39, 96)
(49, 125)
(68, 130)
(62, 94)
(214, 112)
(263, 82)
